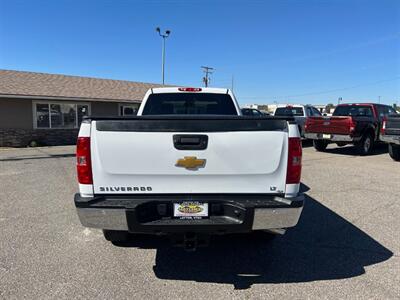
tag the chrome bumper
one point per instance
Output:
(390, 139)
(264, 218)
(333, 137)
(267, 218)
(107, 218)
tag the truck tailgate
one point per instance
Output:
(335, 125)
(132, 156)
(393, 125)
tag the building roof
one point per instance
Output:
(43, 85)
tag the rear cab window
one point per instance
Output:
(385, 111)
(247, 112)
(189, 104)
(289, 111)
(251, 112)
(353, 110)
(316, 112)
(391, 111)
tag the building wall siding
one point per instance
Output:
(14, 137)
(16, 113)
(16, 124)
(104, 109)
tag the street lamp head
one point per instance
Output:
(167, 32)
(158, 29)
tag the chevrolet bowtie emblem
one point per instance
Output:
(190, 162)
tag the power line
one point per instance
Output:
(208, 71)
(326, 91)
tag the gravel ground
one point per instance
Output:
(347, 244)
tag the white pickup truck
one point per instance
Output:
(188, 165)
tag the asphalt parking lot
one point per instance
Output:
(347, 244)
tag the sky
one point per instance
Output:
(303, 51)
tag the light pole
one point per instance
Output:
(164, 36)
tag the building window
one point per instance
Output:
(59, 115)
(42, 116)
(83, 110)
(128, 110)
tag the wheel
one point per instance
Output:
(394, 152)
(365, 145)
(320, 145)
(116, 235)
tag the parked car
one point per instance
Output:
(356, 123)
(253, 112)
(390, 133)
(175, 170)
(299, 112)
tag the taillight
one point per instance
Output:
(83, 160)
(383, 128)
(189, 89)
(294, 161)
(306, 124)
(352, 126)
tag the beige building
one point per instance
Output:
(47, 109)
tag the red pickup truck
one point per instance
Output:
(357, 123)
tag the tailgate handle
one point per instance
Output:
(190, 141)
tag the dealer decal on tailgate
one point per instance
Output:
(190, 209)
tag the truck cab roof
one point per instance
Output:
(290, 105)
(189, 100)
(345, 104)
(189, 89)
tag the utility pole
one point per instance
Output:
(164, 36)
(379, 99)
(208, 71)
(232, 83)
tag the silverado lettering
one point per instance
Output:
(125, 188)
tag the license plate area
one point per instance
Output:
(326, 136)
(190, 210)
(158, 217)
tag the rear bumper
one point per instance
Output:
(391, 139)
(152, 214)
(332, 137)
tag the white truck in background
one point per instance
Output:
(180, 168)
(299, 112)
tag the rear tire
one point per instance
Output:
(365, 145)
(394, 152)
(320, 145)
(117, 236)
